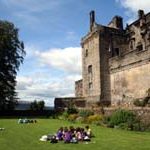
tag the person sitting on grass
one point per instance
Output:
(60, 134)
(88, 131)
(74, 139)
(67, 136)
(86, 138)
(53, 139)
(78, 134)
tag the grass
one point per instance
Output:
(26, 137)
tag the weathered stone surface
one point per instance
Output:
(79, 88)
(65, 102)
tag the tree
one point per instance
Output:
(41, 105)
(34, 105)
(37, 106)
(11, 56)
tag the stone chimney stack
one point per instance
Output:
(117, 22)
(140, 13)
(92, 19)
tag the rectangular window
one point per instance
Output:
(86, 53)
(90, 85)
(140, 47)
(115, 52)
(90, 69)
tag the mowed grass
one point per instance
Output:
(26, 137)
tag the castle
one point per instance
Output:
(115, 63)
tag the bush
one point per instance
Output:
(122, 116)
(85, 113)
(72, 110)
(72, 117)
(139, 103)
(94, 118)
(147, 100)
(68, 112)
(65, 115)
(143, 102)
(148, 92)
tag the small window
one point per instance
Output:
(90, 69)
(140, 47)
(90, 85)
(115, 52)
(86, 52)
(131, 44)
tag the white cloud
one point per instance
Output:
(132, 6)
(54, 74)
(67, 59)
(31, 88)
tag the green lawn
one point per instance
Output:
(26, 137)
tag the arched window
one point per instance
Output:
(90, 69)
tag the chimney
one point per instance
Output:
(140, 13)
(92, 19)
(117, 22)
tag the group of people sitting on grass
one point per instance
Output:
(71, 135)
(25, 120)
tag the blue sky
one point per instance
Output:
(51, 31)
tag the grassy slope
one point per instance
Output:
(26, 137)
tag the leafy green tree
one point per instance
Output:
(37, 105)
(41, 105)
(11, 56)
(33, 105)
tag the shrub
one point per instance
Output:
(138, 102)
(72, 117)
(122, 116)
(80, 119)
(65, 115)
(147, 100)
(72, 110)
(85, 113)
(148, 92)
(144, 102)
(94, 118)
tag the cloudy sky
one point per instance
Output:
(51, 31)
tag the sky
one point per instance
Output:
(51, 31)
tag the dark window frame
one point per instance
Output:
(86, 53)
(90, 69)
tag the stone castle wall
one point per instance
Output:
(129, 84)
(79, 88)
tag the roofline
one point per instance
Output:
(136, 21)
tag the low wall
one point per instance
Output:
(62, 103)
